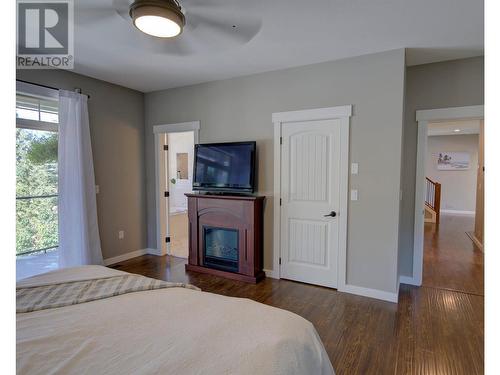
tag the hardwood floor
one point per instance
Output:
(179, 244)
(451, 260)
(433, 329)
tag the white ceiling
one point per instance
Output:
(458, 127)
(287, 33)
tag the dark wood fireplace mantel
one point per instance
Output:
(243, 214)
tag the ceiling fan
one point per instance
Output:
(179, 29)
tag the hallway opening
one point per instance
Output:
(453, 258)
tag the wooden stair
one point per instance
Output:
(432, 201)
(430, 216)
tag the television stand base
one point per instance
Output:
(228, 275)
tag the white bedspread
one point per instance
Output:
(165, 331)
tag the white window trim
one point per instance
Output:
(36, 125)
(36, 90)
(40, 92)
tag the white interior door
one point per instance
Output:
(162, 187)
(166, 182)
(311, 193)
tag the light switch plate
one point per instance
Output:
(354, 195)
(97, 189)
(354, 168)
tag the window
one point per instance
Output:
(35, 111)
(36, 175)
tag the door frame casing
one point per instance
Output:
(162, 225)
(423, 117)
(280, 119)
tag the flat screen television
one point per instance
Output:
(224, 167)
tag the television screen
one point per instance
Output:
(224, 167)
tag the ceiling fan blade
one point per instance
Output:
(241, 6)
(234, 29)
(179, 48)
(89, 12)
(122, 8)
(93, 16)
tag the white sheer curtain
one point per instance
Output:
(79, 241)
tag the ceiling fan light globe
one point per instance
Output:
(157, 18)
(157, 26)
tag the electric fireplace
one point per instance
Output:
(220, 248)
(225, 236)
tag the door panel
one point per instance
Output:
(308, 180)
(308, 242)
(310, 190)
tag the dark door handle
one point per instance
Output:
(332, 214)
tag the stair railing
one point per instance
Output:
(433, 196)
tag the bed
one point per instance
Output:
(169, 330)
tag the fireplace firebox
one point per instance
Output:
(221, 248)
(225, 236)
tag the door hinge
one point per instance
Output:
(280, 201)
(167, 239)
(280, 261)
(165, 147)
(167, 194)
(281, 140)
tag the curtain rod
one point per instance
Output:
(78, 90)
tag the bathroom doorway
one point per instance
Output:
(180, 181)
(174, 157)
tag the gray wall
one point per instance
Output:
(458, 188)
(240, 109)
(440, 85)
(117, 131)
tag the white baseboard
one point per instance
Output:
(409, 280)
(352, 289)
(271, 274)
(123, 257)
(474, 239)
(478, 244)
(372, 293)
(457, 212)
(156, 252)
